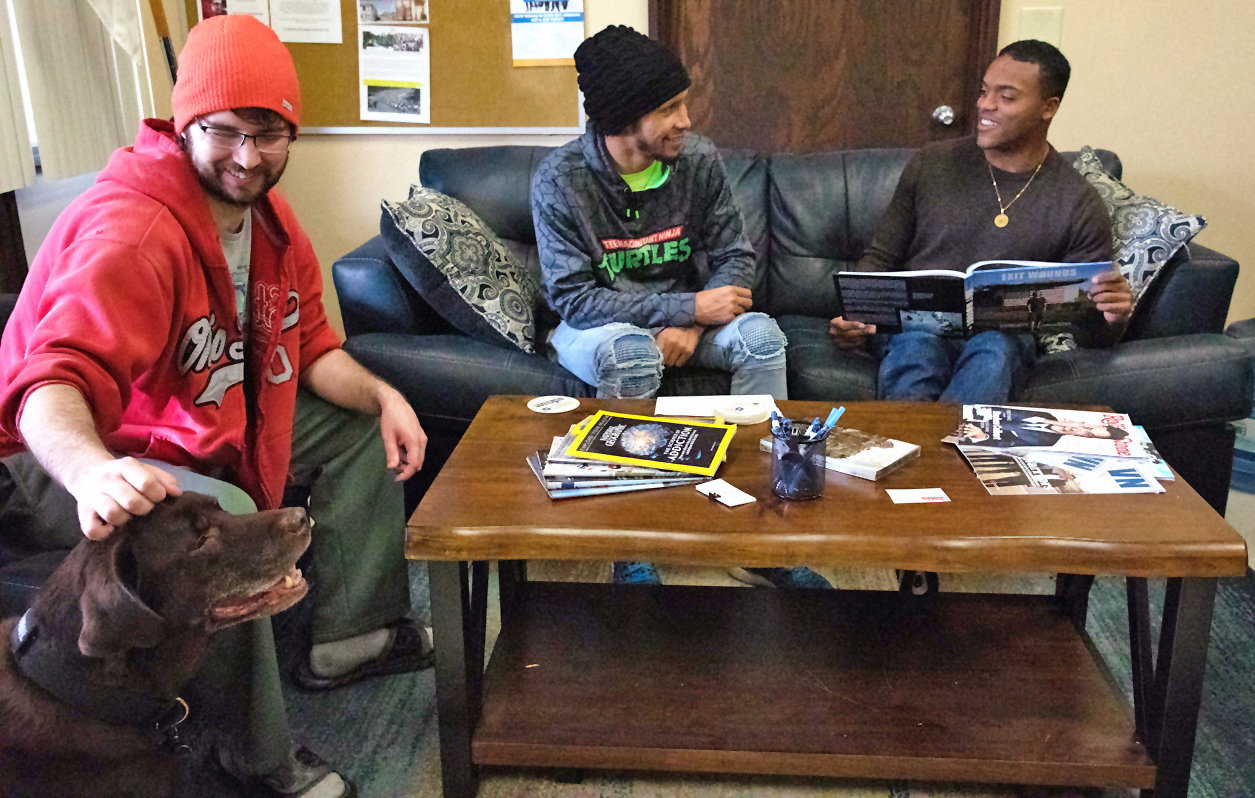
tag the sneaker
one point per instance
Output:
(784, 578)
(636, 573)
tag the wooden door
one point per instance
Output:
(809, 75)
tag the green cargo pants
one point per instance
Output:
(357, 573)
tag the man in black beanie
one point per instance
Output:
(643, 252)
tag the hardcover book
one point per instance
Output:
(688, 446)
(1007, 295)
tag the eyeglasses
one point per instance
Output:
(224, 139)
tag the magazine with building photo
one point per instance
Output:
(578, 490)
(861, 454)
(556, 463)
(1004, 472)
(689, 446)
(1078, 431)
(1007, 295)
(591, 471)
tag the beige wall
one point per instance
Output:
(1171, 88)
(335, 183)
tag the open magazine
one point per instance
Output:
(1075, 431)
(1025, 450)
(1008, 295)
(1027, 471)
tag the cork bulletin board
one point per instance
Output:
(474, 85)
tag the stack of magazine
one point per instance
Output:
(1032, 450)
(618, 453)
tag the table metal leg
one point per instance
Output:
(1178, 689)
(1143, 664)
(1072, 592)
(458, 608)
(511, 582)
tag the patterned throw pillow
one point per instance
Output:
(460, 267)
(1147, 232)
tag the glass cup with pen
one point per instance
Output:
(798, 455)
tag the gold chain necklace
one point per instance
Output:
(1001, 220)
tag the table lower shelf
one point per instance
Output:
(828, 683)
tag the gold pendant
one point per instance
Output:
(1001, 220)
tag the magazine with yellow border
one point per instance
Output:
(674, 445)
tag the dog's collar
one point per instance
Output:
(69, 678)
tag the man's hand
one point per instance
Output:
(111, 492)
(1114, 297)
(677, 344)
(403, 437)
(972, 432)
(721, 305)
(849, 334)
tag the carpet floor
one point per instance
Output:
(383, 733)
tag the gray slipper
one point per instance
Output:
(306, 775)
(408, 649)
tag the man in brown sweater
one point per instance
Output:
(1005, 194)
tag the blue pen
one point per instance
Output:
(832, 419)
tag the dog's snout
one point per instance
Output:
(295, 519)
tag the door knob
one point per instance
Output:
(944, 114)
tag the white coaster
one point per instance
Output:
(553, 404)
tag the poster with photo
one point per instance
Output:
(386, 12)
(394, 73)
(546, 32)
(217, 8)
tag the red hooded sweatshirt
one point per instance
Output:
(130, 301)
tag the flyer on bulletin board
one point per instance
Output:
(394, 73)
(293, 21)
(546, 32)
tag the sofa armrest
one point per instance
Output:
(447, 377)
(1163, 383)
(1191, 297)
(375, 298)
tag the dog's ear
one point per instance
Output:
(114, 618)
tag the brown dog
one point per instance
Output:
(119, 629)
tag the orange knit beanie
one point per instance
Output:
(234, 61)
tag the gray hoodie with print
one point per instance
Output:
(608, 254)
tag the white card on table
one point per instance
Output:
(724, 493)
(917, 495)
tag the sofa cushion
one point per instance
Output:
(819, 370)
(1146, 232)
(460, 267)
(824, 208)
(495, 181)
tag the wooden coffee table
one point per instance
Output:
(989, 688)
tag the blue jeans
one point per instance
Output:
(623, 360)
(920, 366)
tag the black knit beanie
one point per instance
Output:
(624, 75)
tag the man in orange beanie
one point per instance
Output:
(171, 336)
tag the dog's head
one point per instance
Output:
(187, 565)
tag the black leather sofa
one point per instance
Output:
(807, 215)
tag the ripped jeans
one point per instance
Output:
(623, 361)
